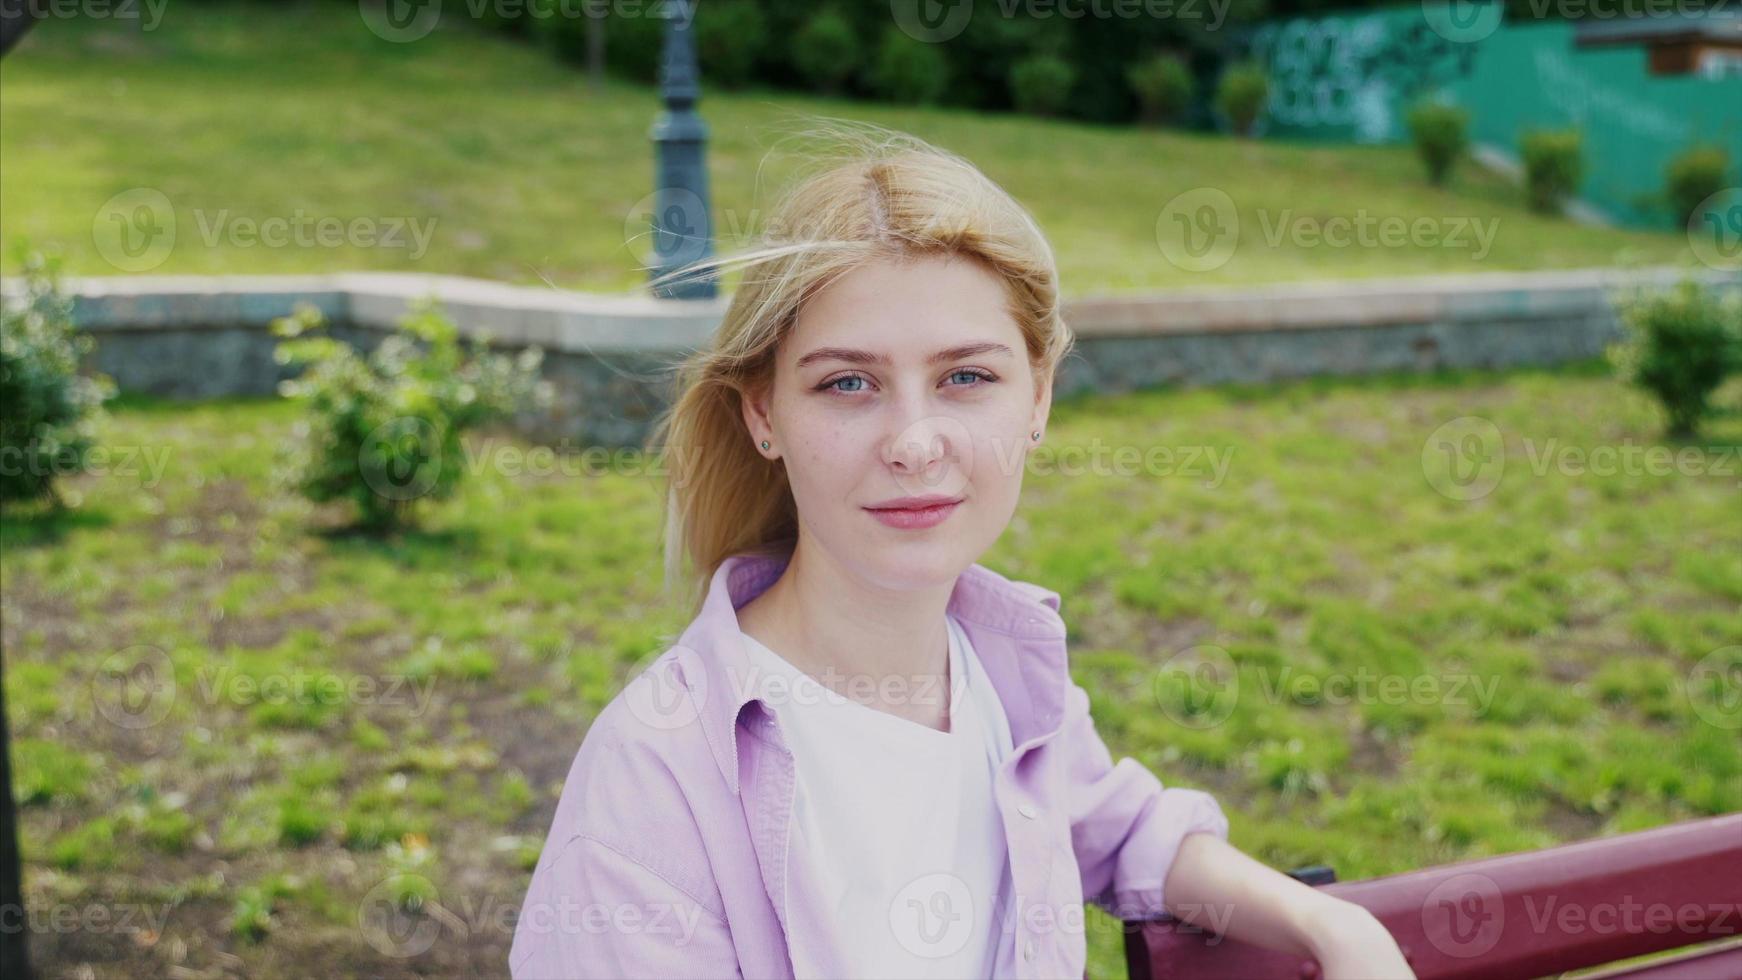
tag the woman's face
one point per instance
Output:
(903, 380)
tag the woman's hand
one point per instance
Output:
(1267, 908)
(1351, 944)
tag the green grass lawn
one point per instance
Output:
(296, 112)
(341, 718)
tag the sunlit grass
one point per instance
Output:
(246, 113)
(344, 707)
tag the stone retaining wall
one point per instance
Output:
(609, 358)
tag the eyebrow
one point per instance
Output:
(867, 357)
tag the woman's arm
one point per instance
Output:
(1215, 886)
(1144, 849)
(591, 911)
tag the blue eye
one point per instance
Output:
(975, 378)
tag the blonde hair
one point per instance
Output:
(879, 195)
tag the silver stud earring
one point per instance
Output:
(765, 444)
(1037, 436)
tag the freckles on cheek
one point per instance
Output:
(998, 465)
(820, 446)
(817, 456)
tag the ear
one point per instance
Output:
(755, 403)
(1042, 406)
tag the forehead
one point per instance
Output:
(906, 310)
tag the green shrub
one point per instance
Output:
(1040, 84)
(384, 430)
(1553, 167)
(1163, 86)
(633, 40)
(825, 51)
(507, 18)
(1695, 174)
(1241, 95)
(49, 412)
(1681, 345)
(730, 38)
(1441, 134)
(908, 71)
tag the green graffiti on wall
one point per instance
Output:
(1352, 78)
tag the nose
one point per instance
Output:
(917, 445)
(929, 451)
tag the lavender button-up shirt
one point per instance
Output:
(669, 853)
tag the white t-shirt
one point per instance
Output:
(898, 821)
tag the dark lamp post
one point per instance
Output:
(682, 221)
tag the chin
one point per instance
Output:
(906, 560)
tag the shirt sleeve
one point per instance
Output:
(1126, 828)
(592, 911)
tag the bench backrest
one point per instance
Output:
(1522, 915)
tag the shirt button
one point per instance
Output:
(1028, 810)
(1028, 950)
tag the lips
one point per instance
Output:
(915, 513)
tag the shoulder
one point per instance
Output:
(1024, 607)
(645, 782)
(1026, 591)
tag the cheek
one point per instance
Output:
(822, 455)
(998, 465)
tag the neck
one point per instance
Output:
(888, 648)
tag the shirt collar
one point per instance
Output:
(1014, 627)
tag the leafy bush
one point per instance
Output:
(908, 71)
(384, 430)
(1441, 134)
(730, 38)
(1553, 167)
(1682, 344)
(1241, 95)
(633, 40)
(49, 412)
(1040, 84)
(1163, 86)
(1693, 175)
(825, 51)
(975, 60)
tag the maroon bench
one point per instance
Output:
(1524, 915)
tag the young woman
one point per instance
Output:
(865, 756)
